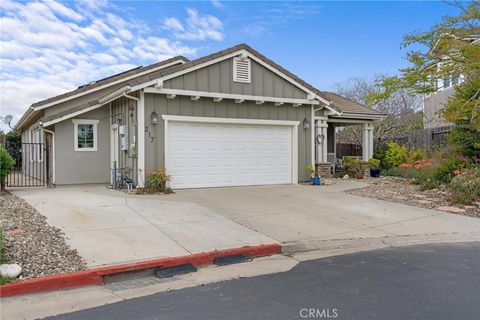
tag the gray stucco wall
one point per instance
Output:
(77, 167)
(218, 77)
(154, 150)
(432, 107)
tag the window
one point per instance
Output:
(241, 69)
(85, 134)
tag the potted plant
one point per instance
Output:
(315, 179)
(359, 166)
(374, 165)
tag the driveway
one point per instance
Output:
(298, 213)
(109, 227)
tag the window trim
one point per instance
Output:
(77, 122)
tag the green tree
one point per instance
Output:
(449, 49)
(7, 164)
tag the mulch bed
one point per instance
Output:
(31, 242)
(399, 190)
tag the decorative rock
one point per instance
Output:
(420, 196)
(327, 182)
(346, 177)
(10, 270)
(470, 207)
(424, 201)
(451, 209)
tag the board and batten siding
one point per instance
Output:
(205, 107)
(80, 167)
(218, 77)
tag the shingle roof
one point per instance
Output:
(347, 105)
(107, 80)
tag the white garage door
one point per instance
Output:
(223, 154)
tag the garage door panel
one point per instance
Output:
(214, 155)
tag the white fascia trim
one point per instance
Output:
(362, 116)
(94, 122)
(228, 56)
(218, 95)
(77, 113)
(109, 84)
(230, 120)
(181, 72)
(342, 120)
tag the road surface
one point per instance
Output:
(422, 282)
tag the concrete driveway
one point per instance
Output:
(109, 227)
(298, 213)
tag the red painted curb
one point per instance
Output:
(95, 276)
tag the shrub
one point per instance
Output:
(157, 180)
(395, 154)
(447, 167)
(421, 173)
(415, 155)
(374, 163)
(7, 164)
(311, 169)
(389, 172)
(465, 186)
(380, 155)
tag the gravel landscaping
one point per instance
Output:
(31, 242)
(399, 190)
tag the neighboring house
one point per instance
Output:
(232, 118)
(434, 102)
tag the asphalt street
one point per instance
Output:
(422, 282)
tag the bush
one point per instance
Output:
(157, 180)
(380, 155)
(421, 173)
(389, 172)
(447, 168)
(374, 163)
(7, 164)
(465, 186)
(395, 154)
(415, 155)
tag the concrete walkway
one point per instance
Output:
(109, 227)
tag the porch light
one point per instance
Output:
(154, 118)
(306, 124)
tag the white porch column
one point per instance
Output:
(141, 140)
(367, 145)
(321, 138)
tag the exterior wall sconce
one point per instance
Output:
(154, 118)
(306, 124)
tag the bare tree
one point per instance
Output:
(403, 110)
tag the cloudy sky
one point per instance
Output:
(50, 47)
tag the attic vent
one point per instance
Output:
(241, 70)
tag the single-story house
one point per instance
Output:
(232, 118)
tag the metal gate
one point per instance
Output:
(31, 164)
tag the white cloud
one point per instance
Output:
(49, 47)
(196, 27)
(173, 24)
(216, 3)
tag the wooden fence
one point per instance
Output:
(423, 139)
